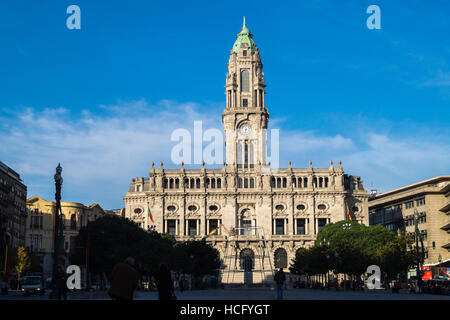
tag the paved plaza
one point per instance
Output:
(252, 294)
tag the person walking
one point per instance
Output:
(164, 283)
(61, 283)
(124, 280)
(280, 278)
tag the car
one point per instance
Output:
(32, 285)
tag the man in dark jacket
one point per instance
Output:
(164, 283)
(279, 279)
(61, 282)
(124, 280)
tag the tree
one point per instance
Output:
(369, 238)
(23, 262)
(113, 238)
(195, 257)
(397, 256)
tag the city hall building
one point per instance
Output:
(255, 215)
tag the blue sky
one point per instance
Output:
(104, 100)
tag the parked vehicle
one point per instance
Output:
(32, 285)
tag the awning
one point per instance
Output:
(445, 263)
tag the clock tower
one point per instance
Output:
(245, 117)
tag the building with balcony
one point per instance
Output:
(431, 200)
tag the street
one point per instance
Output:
(249, 294)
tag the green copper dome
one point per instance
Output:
(244, 37)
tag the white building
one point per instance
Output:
(290, 205)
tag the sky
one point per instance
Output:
(104, 100)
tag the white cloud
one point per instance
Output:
(102, 151)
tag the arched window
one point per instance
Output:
(240, 183)
(272, 182)
(192, 183)
(170, 183)
(247, 259)
(186, 183)
(245, 81)
(213, 183)
(294, 182)
(299, 182)
(245, 183)
(315, 182)
(177, 183)
(219, 183)
(320, 182)
(284, 182)
(326, 182)
(305, 182)
(207, 182)
(280, 258)
(198, 183)
(165, 183)
(278, 182)
(252, 183)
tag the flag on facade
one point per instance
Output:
(348, 213)
(150, 215)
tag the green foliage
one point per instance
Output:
(396, 256)
(113, 238)
(195, 257)
(352, 250)
(311, 261)
(368, 238)
(169, 237)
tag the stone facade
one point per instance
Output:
(13, 195)
(40, 227)
(431, 198)
(279, 209)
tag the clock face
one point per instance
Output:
(245, 129)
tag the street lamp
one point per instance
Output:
(58, 183)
